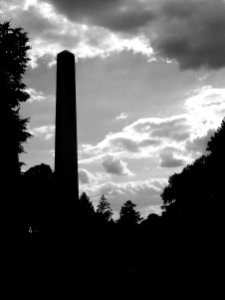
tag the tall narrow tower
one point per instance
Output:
(66, 166)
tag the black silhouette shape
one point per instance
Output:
(104, 210)
(13, 63)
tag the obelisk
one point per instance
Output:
(66, 165)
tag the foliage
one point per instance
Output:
(41, 171)
(13, 62)
(216, 144)
(128, 215)
(103, 209)
(198, 189)
(37, 201)
(85, 207)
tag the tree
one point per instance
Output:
(104, 210)
(193, 217)
(85, 207)
(39, 172)
(128, 215)
(13, 64)
(37, 203)
(216, 144)
(198, 190)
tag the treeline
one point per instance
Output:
(40, 225)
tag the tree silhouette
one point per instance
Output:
(129, 217)
(34, 204)
(104, 210)
(13, 62)
(198, 189)
(193, 216)
(39, 172)
(85, 208)
(216, 144)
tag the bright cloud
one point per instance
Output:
(51, 32)
(37, 96)
(146, 194)
(46, 131)
(149, 137)
(172, 142)
(174, 128)
(122, 116)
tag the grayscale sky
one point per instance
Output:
(150, 88)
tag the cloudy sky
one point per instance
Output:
(150, 87)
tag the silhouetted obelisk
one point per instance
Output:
(66, 166)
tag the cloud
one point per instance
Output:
(51, 30)
(143, 137)
(84, 176)
(147, 138)
(126, 142)
(38, 96)
(132, 146)
(45, 131)
(190, 32)
(122, 116)
(206, 110)
(146, 194)
(175, 128)
(199, 144)
(115, 166)
(123, 143)
(117, 15)
(169, 161)
(35, 96)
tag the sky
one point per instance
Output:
(150, 82)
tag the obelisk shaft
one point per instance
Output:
(66, 166)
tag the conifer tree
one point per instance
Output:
(104, 209)
(128, 215)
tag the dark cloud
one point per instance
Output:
(125, 143)
(115, 166)
(150, 142)
(169, 161)
(192, 33)
(131, 145)
(117, 15)
(84, 176)
(32, 19)
(175, 129)
(200, 143)
(130, 21)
